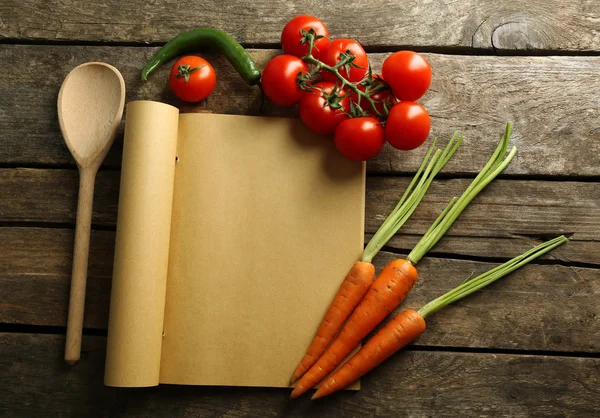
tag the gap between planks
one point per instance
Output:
(398, 174)
(442, 50)
(96, 332)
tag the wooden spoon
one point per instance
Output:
(90, 108)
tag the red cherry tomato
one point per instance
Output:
(360, 139)
(317, 115)
(380, 98)
(407, 126)
(280, 79)
(408, 73)
(192, 78)
(332, 54)
(291, 36)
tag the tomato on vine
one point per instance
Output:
(192, 78)
(292, 36)
(360, 139)
(363, 109)
(324, 107)
(407, 126)
(408, 73)
(280, 79)
(383, 96)
(343, 48)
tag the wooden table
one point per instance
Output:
(526, 346)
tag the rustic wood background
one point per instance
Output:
(528, 346)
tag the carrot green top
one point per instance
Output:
(412, 196)
(497, 162)
(490, 276)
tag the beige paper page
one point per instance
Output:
(267, 219)
(142, 245)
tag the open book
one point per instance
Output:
(233, 235)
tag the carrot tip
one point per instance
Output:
(298, 391)
(317, 395)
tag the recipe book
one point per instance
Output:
(233, 235)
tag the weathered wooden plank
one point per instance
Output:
(508, 211)
(543, 307)
(578, 252)
(505, 209)
(554, 103)
(35, 276)
(411, 383)
(42, 195)
(567, 25)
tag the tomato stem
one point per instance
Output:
(186, 70)
(346, 60)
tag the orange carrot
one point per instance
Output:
(409, 324)
(384, 295)
(361, 275)
(350, 293)
(400, 331)
(387, 292)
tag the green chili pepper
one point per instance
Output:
(206, 37)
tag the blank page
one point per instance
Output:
(267, 219)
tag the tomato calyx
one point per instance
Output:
(185, 70)
(363, 89)
(313, 35)
(347, 61)
(373, 83)
(380, 92)
(356, 111)
(305, 80)
(332, 99)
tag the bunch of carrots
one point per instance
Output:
(361, 275)
(361, 304)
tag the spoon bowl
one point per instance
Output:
(90, 108)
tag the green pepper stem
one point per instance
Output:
(495, 165)
(481, 281)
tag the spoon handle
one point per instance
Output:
(87, 177)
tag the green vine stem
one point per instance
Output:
(345, 61)
(495, 165)
(430, 167)
(490, 276)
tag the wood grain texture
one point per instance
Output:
(411, 383)
(90, 107)
(35, 271)
(83, 227)
(542, 307)
(554, 103)
(578, 252)
(41, 195)
(521, 212)
(556, 25)
(505, 209)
